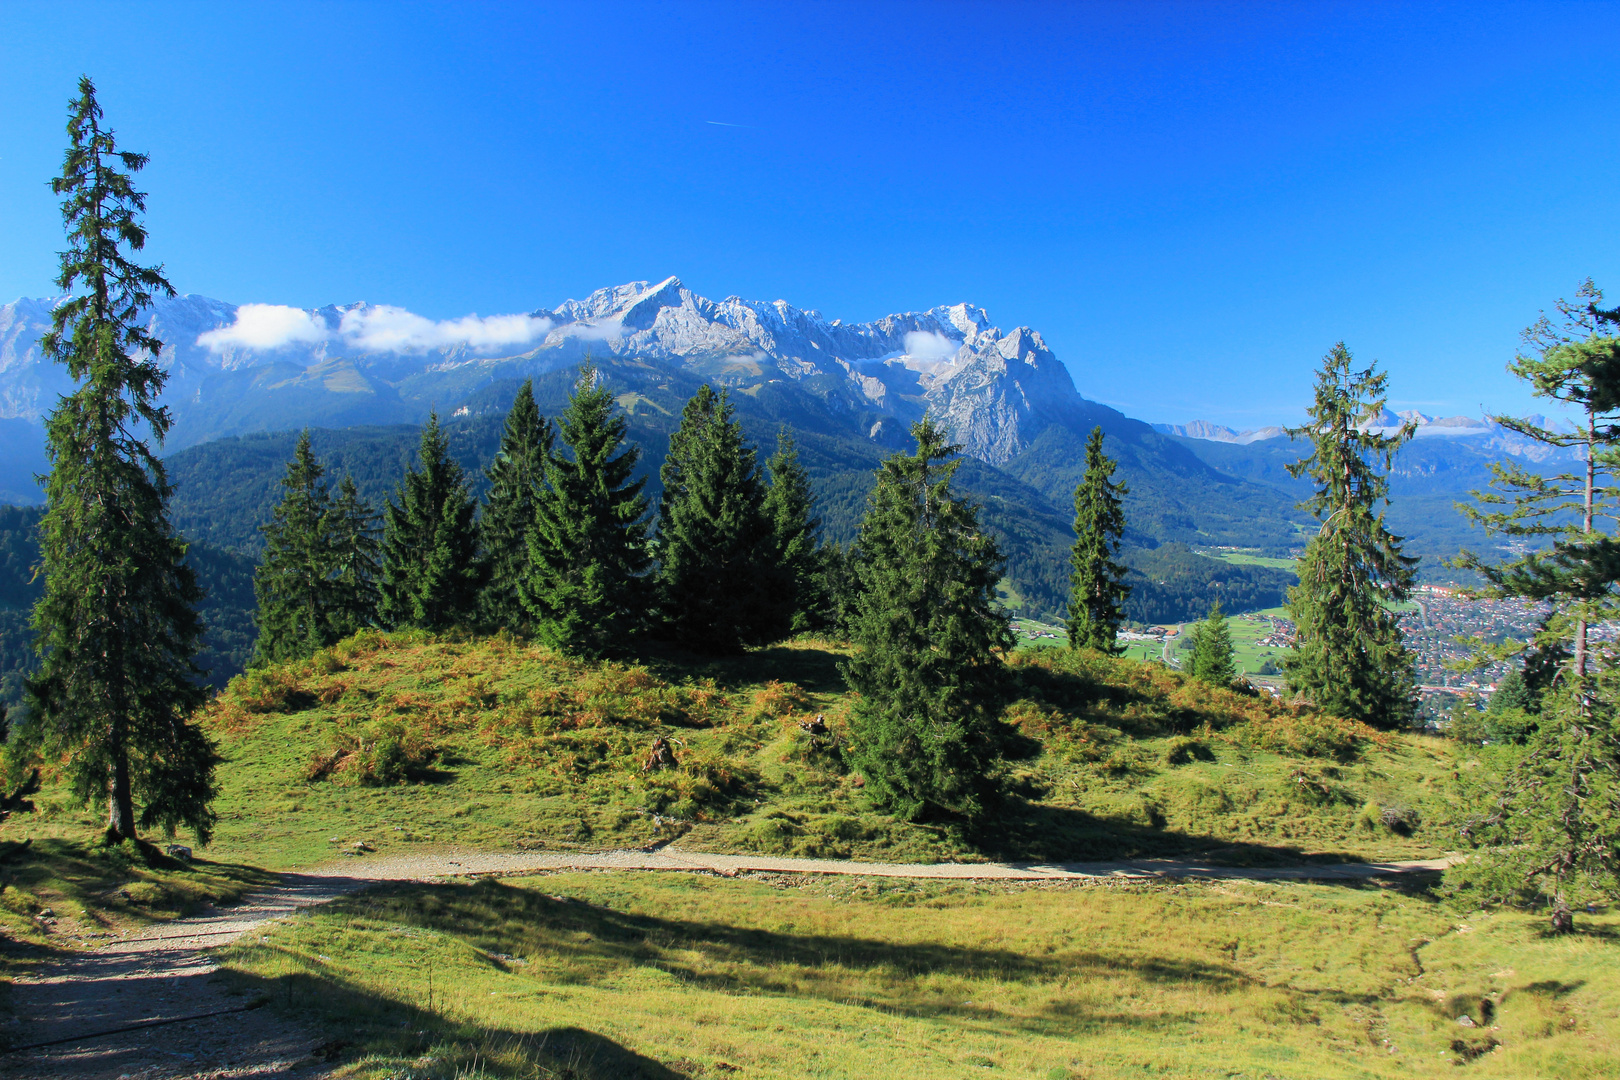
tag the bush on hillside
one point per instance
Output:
(380, 754)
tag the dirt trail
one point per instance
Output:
(169, 973)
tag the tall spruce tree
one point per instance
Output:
(431, 570)
(1574, 361)
(928, 635)
(1348, 656)
(1212, 650)
(517, 477)
(790, 504)
(357, 574)
(1097, 591)
(117, 629)
(1552, 824)
(292, 581)
(716, 558)
(588, 558)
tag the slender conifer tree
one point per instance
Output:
(517, 477)
(431, 571)
(1097, 590)
(1550, 826)
(1348, 657)
(928, 636)
(1212, 650)
(116, 630)
(716, 556)
(292, 582)
(799, 602)
(588, 558)
(358, 569)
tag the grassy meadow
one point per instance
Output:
(409, 741)
(418, 743)
(673, 975)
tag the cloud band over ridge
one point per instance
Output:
(368, 328)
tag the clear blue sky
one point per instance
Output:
(1191, 202)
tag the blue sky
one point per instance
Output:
(1192, 203)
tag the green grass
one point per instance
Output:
(61, 894)
(1243, 558)
(499, 744)
(591, 975)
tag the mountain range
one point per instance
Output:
(364, 375)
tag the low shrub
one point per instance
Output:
(380, 753)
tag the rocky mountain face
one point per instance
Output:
(258, 367)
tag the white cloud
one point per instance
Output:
(372, 329)
(266, 326)
(929, 345)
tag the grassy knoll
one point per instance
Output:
(664, 976)
(408, 740)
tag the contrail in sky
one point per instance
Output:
(722, 123)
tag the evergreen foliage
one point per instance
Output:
(1348, 656)
(517, 477)
(290, 583)
(1212, 650)
(431, 572)
(718, 572)
(1551, 827)
(588, 557)
(1097, 588)
(1575, 362)
(800, 597)
(317, 580)
(927, 633)
(357, 570)
(117, 629)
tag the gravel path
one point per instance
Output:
(169, 973)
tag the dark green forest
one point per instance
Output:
(227, 610)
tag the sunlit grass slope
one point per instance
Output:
(668, 975)
(405, 740)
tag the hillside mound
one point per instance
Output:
(410, 739)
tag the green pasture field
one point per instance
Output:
(671, 975)
(1243, 558)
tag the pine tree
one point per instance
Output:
(1574, 361)
(291, 582)
(927, 633)
(1212, 650)
(431, 571)
(1097, 591)
(517, 477)
(716, 560)
(1348, 656)
(588, 557)
(117, 629)
(790, 506)
(1553, 825)
(357, 570)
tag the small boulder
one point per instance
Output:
(1466, 1021)
(178, 851)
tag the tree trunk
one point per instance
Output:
(1586, 537)
(120, 801)
(1563, 920)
